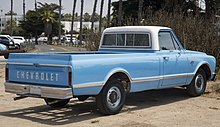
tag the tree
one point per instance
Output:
(60, 4)
(81, 20)
(87, 17)
(44, 17)
(100, 17)
(45, 6)
(109, 15)
(140, 7)
(67, 17)
(16, 29)
(24, 9)
(120, 12)
(93, 15)
(32, 25)
(48, 19)
(72, 23)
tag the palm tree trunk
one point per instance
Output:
(11, 25)
(100, 17)
(140, 7)
(81, 17)
(24, 9)
(120, 13)
(73, 15)
(90, 45)
(35, 5)
(60, 4)
(109, 15)
(93, 15)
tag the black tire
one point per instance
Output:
(17, 46)
(6, 56)
(56, 103)
(112, 98)
(198, 85)
(82, 98)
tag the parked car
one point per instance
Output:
(7, 41)
(67, 39)
(3, 47)
(130, 59)
(18, 40)
(42, 39)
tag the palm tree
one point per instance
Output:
(109, 9)
(81, 17)
(120, 13)
(24, 9)
(35, 5)
(93, 15)
(140, 7)
(72, 23)
(48, 19)
(11, 25)
(60, 4)
(100, 17)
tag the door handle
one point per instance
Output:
(166, 58)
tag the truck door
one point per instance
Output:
(174, 68)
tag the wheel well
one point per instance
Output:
(123, 78)
(207, 70)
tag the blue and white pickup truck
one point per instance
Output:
(130, 59)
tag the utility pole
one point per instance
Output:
(59, 37)
(11, 25)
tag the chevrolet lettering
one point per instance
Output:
(130, 59)
(37, 76)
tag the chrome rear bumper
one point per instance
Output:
(38, 91)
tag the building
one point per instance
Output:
(76, 26)
(5, 18)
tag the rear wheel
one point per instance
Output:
(112, 98)
(57, 103)
(198, 84)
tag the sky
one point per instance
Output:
(5, 5)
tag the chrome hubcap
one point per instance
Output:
(113, 97)
(199, 82)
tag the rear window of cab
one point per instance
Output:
(126, 40)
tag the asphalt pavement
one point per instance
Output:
(55, 48)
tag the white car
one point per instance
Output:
(18, 40)
(9, 41)
(68, 39)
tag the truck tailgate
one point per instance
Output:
(46, 69)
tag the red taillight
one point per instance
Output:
(6, 72)
(70, 78)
